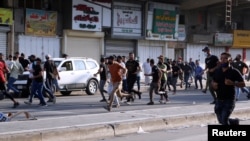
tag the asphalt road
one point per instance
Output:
(81, 104)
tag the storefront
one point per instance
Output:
(119, 47)
(83, 36)
(40, 33)
(126, 29)
(162, 31)
(5, 24)
(40, 46)
(150, 49)
(83, 44)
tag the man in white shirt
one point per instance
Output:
(15, 70)
(147, 70)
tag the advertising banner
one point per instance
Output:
(39, 22)
(241, 39)
(6, 16)
(223, 39)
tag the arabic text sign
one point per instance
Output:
(86, 16)
(164, 21)
(127, 19)
(39, 22)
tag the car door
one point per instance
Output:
(67, 74)
(81, 72)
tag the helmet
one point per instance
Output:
(3, 117)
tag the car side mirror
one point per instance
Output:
(63, 69)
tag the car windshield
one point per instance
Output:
(57, 62)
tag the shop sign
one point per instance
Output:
(40, 22)
(201, 38)
(164, 22)
(86, 16)
(181, 33)
(223, 39)
(6, 16)
(241, 39)
(127, 19)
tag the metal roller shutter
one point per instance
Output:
(84, 47)
(3, 43)
(119, 47)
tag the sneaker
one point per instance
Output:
(103, 100)
(150, 103)
(107, 108)
(27, 102)
(204, 91)
(43, 105)
(235, 121)
(16, 104)
(128, 103)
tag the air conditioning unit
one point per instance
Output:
(234, 25)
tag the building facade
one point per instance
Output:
(95, 28)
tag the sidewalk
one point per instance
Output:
(93, 126)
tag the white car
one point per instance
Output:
(75, 74)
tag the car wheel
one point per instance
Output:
(92, 87)
(65, 93)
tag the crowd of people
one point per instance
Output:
(163, 77)
(224, 79)
(15, 65)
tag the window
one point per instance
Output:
(91, 64)
(68, 65)
(79, 64)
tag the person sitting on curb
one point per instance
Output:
(9, 116)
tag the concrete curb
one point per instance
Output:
(79, 133)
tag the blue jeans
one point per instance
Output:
(186, 78)
(11, 81)
(55, 82)
(124, 85)
(138, 79)
(48, 88)
(239, 90)
(37, 88)
(223, 109)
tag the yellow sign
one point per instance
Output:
(6, 16)
(241, 39)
